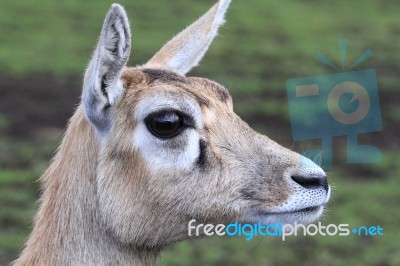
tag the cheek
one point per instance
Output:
(176, 154)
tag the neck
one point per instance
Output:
(68, 229)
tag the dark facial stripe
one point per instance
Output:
(201, 160)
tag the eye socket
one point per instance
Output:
(165, 124)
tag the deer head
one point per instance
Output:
(172, 148)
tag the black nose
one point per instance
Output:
(312, 182)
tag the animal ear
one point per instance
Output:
(185, 50)
(102, 87)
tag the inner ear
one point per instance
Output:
(102, 87)
(117, 46)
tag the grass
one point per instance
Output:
(263, 44)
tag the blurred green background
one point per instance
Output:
(45, 46)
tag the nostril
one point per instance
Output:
(311, 182)
(307, 182)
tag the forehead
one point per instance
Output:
(141, 83)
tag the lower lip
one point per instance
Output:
(305, 210)
(310, 209)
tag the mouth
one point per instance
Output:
(290, 214)
(304, 215)
(309, 210)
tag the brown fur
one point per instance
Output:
(68, 217)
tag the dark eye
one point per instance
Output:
(165, 124)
